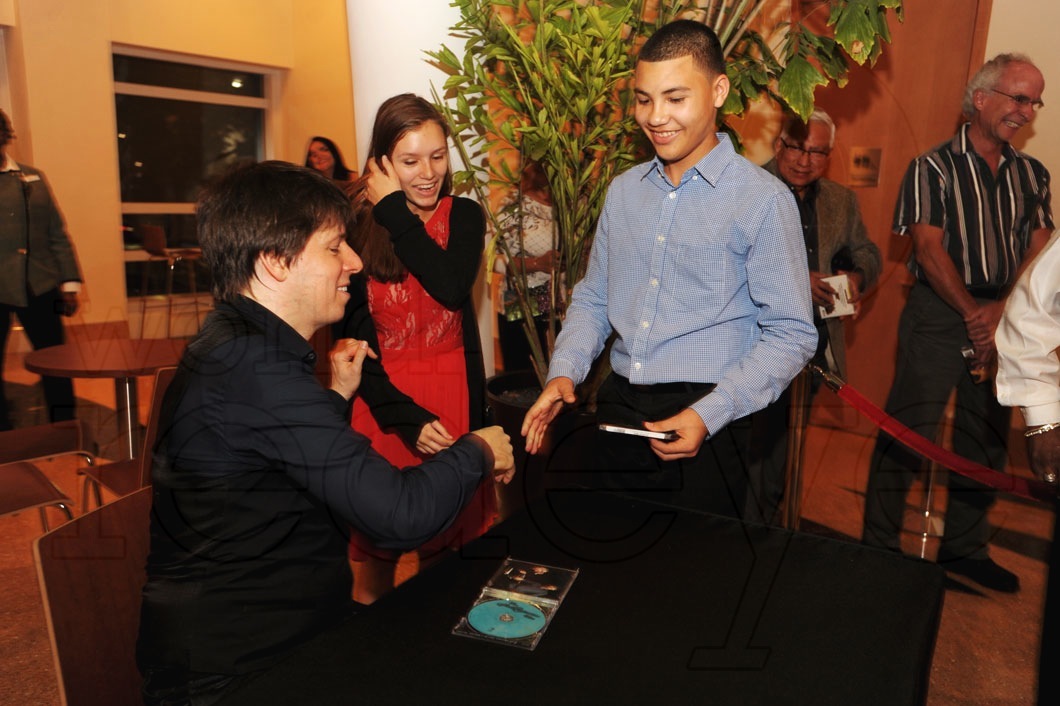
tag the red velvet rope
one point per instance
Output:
(1036, 490)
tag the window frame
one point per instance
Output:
(268, 103)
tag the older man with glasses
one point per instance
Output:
(977, 210)
(836, 243)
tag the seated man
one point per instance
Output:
(257, 473)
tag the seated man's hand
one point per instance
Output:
(503, 455)
(689, 427)
(347, 358)
(557, 392)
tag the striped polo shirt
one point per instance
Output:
(987, 221)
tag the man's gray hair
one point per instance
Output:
(987, 77)
(817, 116)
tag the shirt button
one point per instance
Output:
(694, 177)
(673, 195)
(644, 324)
(636, 366)
(660, 238)
(654, 282)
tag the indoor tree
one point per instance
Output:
(549, 81)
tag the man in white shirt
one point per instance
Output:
(1028, 377)
(1028, 373)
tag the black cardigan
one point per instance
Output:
(447, 274)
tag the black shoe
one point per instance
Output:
(984, 572)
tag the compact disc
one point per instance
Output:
(502, 618)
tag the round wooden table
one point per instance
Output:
(123, 359)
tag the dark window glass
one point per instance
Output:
(170, 74)
(146, 277)
(167, 149)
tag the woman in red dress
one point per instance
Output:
(422, 249)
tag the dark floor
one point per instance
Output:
(986, 652)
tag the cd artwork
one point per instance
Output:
(504, 618)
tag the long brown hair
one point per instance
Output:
(395, 118)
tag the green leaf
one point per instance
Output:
(797, 84)
(855, 29)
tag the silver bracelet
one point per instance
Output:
(1041, 429)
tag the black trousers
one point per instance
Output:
(43, 325)
(1048, 675)
(715, 480)
(930, 367)
(767, 455)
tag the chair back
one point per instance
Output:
(153, 238)
(91, 573)
(45, 441)
(123, 477)
(23, 486)
(163, 378)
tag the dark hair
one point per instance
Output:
(685, 38)
(341, 172)
(268, 207)
(395, 118)
(7, 133)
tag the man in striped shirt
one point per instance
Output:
(976, 210)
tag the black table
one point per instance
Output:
(670, 607)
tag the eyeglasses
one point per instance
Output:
(814, 155)
(1021, 100)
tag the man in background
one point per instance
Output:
(39, 278)
(836, 243)
(976, 210)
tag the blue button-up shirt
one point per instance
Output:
(705, 281)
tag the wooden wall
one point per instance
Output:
(908, 103)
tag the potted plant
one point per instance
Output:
(549, 81)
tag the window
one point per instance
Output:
(179, 125)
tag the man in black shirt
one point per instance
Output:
(257, 474)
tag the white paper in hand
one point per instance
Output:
(842, 305)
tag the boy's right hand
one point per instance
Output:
(503, 455)
(558, 392)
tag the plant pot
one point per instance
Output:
(569, 446)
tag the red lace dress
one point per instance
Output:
(422, 351)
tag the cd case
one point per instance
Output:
(842, 305)
(516, 605)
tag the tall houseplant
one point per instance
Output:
(549, 81)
